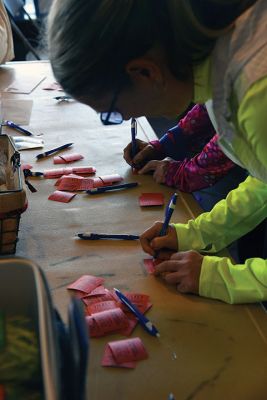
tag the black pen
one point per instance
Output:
(49, 152)
(98, 236)
(103, 189)
(62, 98)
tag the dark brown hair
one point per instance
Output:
(91, 41)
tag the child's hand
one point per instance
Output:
(160, 169)
(146, 152)
(154, 244)
(183, 270)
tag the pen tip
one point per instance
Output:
(158, 335)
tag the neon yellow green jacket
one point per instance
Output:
(242, 210)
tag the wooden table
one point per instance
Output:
(207, 349)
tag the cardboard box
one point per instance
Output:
(13, 200)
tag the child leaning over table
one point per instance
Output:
(212, 50)
(196, 162)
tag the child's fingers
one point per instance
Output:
(150, 166)
(127, 154)
(148, 235)
(169, 241)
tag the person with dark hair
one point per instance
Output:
(154, 58)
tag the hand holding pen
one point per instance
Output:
(145, 152)
(161, 236)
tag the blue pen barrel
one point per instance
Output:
(146, 324)
(168, 214)
(133, 133)
(18, 128)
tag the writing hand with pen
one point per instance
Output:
(180, 268)
(145, 152)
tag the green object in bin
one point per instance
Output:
(19, 356)
(2, 331)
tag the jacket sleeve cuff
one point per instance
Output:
(158, 147)
(211, 284)
(233, 283)
(183, 234)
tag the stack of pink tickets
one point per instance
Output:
(74, 182)
(105, 314)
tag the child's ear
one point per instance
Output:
(145, 71)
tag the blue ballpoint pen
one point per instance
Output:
(147, 325)
(168, 214)
(98, 236)
(133, 132)
(18, 128)
(103, 189)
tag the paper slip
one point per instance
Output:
(86, 283)
(104, 180)
(25, 85)
(62, 197)
(71, 183)
(56, 173)
(98, 290)
(107, 321)
(151, 199)
(52, 86)
(109, 179)
(102, 306)
(67, 158)
(124, 353)
(25, 143)
(150, 264)
(92, 299)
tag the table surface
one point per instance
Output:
(207, 349)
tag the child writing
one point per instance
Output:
(154, 58)
(197, 160)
